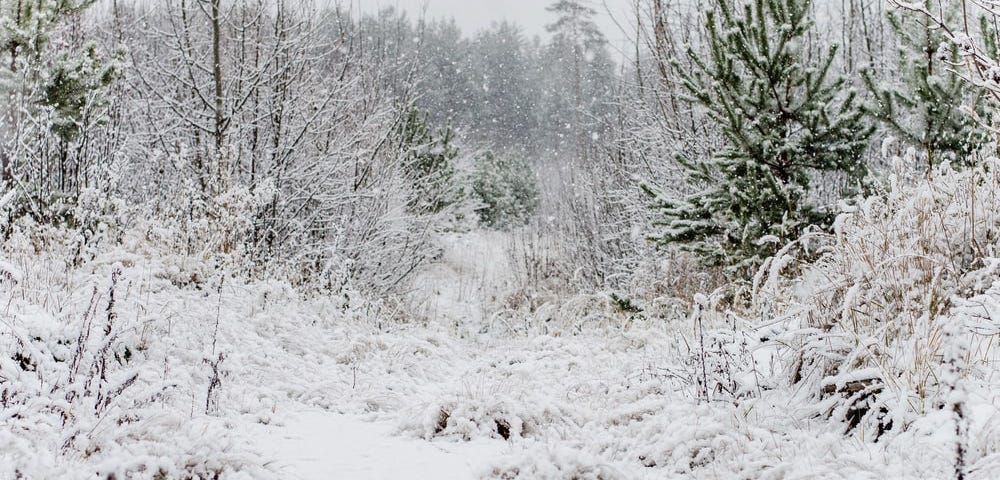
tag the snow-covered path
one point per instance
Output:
(318, 445)
(453, 398)
(462, 287)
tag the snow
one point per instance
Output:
(310, 390)
(867, 356)
(319, 445)
(465, 284)
(305, 298)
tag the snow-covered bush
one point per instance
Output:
(79, 396)
(498, 413)
(494, 419)
(553, 461)
(860, 315)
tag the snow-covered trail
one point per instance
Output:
(466, 282)
(453, 397)
(314, 444)
(318, 445)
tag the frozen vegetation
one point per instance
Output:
(262, 239)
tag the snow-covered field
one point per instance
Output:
(316, 444)
(321, 387)
(295, 239)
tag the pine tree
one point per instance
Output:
(49, 80)
(579, 74)
(504, 104)
(25, 25)
(73, 81)
(923, 107)
(430, 164)
(25, 30)
(784, 121)
(506, 189)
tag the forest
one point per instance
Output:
(297, 239)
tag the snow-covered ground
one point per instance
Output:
(315, 444)
(323, 387)
(483, 400)
(466, 284)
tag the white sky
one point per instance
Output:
(473, 15)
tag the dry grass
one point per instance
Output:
(863, 309)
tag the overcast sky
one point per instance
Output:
(474, 15)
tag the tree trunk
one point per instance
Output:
(217, 78)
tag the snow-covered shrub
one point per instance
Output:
(719, 359)
(685, 446)
(213, 230)
(89, 227)
(470, 420)
(552, 461)
(498, 415)
(80, 396)
(860, 315)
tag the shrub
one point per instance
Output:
(862, 325)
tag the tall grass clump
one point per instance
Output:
(858, 316)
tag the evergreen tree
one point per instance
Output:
(506, 188)
(579, 74)
(430, 163)
(922, 104)
(504, 113)
(73, 81)
(25, 26)
(783, 120)
(25, 31)
(48, 80)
